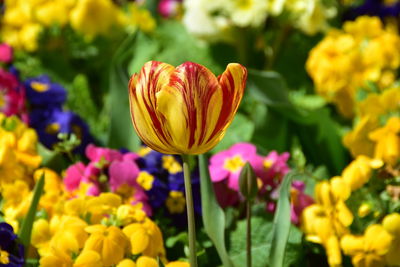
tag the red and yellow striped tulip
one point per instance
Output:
(187, 109)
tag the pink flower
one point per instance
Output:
(73, 176)
(12, 95)
(299, 201)
(6, 53)
(169, 8)
(102, 154)
(227, 165)
(275, 167)
(123, 172)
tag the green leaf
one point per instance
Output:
(241, 130)
(260, 242)
(121, 132)
(213, 215)
(281, 226)
(27, 223)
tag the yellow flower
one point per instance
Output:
(362, 56)
(391, 223)
(171, 164)
(145, 180)
(357, 140)
(109, 242)
(4, 257)
(94, 17)
(126, 263)
(127, 214)
(94, 208)
(177, 264)
(53, 12)
(184, 110)
(139, 18)
(359, 171)
(387, 141)
(145, 238)
(144, 261)
(364, 210)
(88, 258)
(368, 250)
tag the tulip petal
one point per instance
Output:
(142, 96)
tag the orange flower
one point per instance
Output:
(187, 109)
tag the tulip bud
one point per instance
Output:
(248, 182)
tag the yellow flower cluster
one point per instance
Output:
(98, 231)
(376, 133)
(18, 152)
(24, 20)
(346, 59)
(326, 222)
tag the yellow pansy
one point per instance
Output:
(184, 110)
(368, 250)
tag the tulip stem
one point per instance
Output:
(190, 212)
(248, 233)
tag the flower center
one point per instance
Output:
(39, 87)
(268, 163)
(234, 164)
(52, 128)
(2, 99)
(4, 257)
(176, 202)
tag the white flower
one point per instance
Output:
(244, 13)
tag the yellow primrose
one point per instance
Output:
(368, 250)
(109, 242)
(145, 238)
(366, 55)
(184, 110)
(387, 141)
(53, 12)
(391, 223)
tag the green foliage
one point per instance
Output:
(171, 44)
(315, 129)
(213, 215)
(281, 225)
(27, 224)
(121, 132)
(261, 235)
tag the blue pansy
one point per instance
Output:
(49, 123)
(41, 92)
(374, 8)
(12, 252)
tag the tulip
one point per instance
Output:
(184, 110)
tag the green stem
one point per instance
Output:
(248, 233)
(190, 212)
